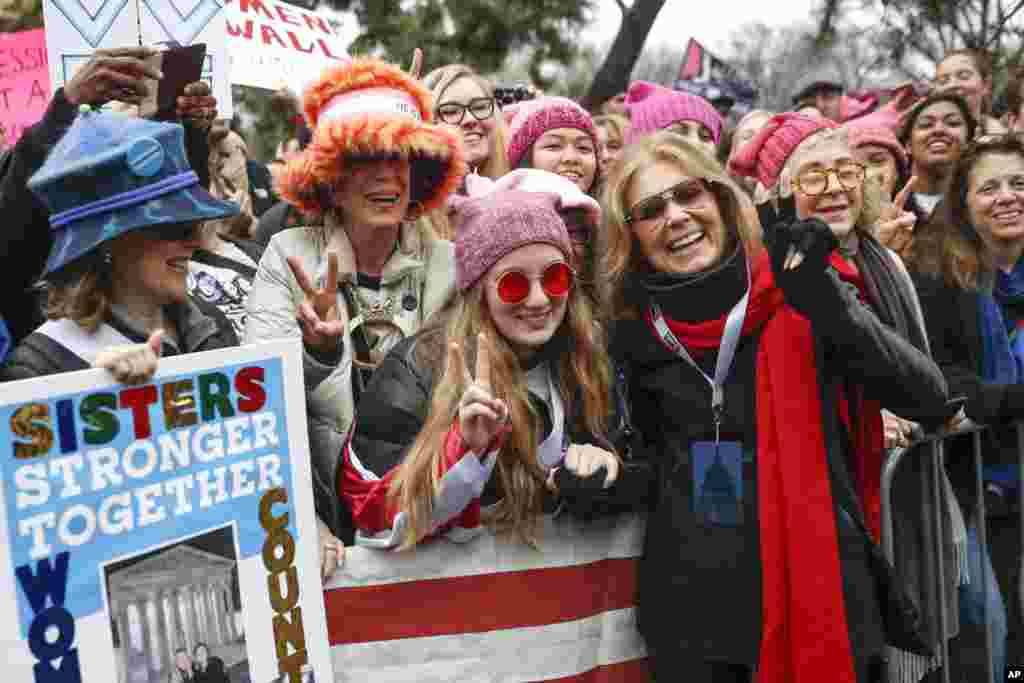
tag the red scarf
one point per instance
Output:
(805, 634)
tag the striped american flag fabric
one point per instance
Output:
(493, 609)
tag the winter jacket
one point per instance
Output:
(392, 412)
(700, 584)
(25, 242)
(422, 274)
(63, 346)
(951, 315)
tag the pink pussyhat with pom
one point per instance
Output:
(652, 108)
(765, 155)
(497, 224)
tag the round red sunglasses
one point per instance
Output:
(556, 281)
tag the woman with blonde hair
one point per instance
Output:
(612, 130)
(756, 379)
(464, 100)
(439, 450)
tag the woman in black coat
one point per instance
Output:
(757, 554)
(970, 277)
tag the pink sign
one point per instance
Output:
(24, 82)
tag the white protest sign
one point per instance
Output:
(77, 28)
(274, 44)
(138, 523)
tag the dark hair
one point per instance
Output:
(201, 645)
(949, 246)
(911, 116)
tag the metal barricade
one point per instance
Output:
(933, 447)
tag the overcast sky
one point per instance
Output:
(709, 21)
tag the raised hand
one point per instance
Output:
(809, 242)
(115, 74)
(322, 329)
(197, 106)
(482, 417)
(895, 227)
(584, 460)
(132, 363)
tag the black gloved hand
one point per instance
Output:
(809, 242)
(773, 213)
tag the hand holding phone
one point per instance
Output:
(181, 67)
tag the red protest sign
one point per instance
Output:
(24, 81)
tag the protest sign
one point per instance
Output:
(77, 28)
(493, 609)
(24, 82)
(138, 523)
(274, 44)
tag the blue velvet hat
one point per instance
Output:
(113, 173)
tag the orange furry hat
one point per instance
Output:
(370, 108)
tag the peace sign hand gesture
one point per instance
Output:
(482, 418)
(895, 227)
(318, 317)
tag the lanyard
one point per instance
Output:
(726, 352)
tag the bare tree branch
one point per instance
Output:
(622, 7)
(1005, 20)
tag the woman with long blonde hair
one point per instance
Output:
(440, 450)
(752, 376)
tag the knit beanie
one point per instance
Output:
(533, 118)
(863, 133)
(499, 223)
(765, 155)
(652, 108)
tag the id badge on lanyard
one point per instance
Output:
(716, 466)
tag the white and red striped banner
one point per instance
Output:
(493, 609)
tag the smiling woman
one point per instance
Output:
(117, 270)
(764, 354)
(369, 276)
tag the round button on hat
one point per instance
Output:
(145, 157)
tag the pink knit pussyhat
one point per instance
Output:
(862, 133)
(533, 118)
(766, 153)
(499, 223)
(652, 108)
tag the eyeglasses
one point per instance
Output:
(171, 232)
(687, 194)
(556, 281)
(812, 183)
(452, 113)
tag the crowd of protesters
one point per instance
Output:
(510, 305)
